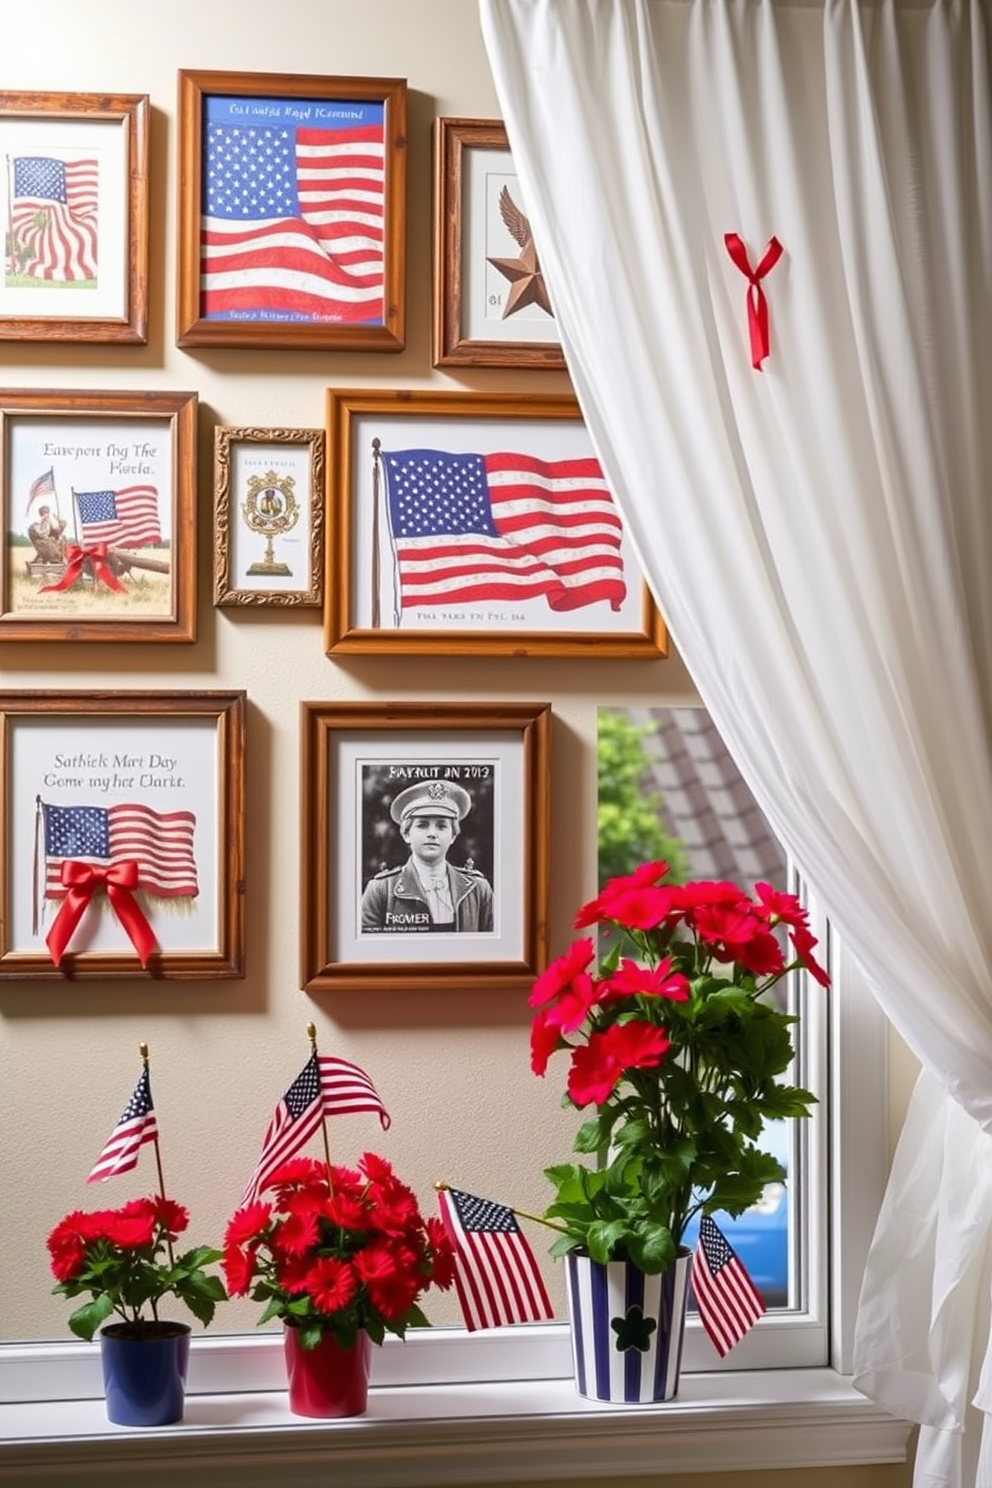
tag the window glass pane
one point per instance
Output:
(669, 789)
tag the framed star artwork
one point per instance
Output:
(491, 304)
(292, 211)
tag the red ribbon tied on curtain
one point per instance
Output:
(83, 880)
(757, 305)
(76, 556)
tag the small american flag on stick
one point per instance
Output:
(496, 1275)
(728, 1302)
(136, 1126)
(324, 1086)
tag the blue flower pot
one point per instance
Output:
(144, 1379)
(626, 1328)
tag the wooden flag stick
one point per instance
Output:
(143, 1051)
(312, 1036)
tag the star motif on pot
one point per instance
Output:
(633, 1330)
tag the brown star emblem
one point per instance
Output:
(526, 281)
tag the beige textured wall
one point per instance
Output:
(453, 1068)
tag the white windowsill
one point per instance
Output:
(425, 1435)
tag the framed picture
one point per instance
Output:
(75, 217)
(425, 838)
(124, 821)
(268, 517)
(491, 304)
(292, 211)
(99, 509)
(463, 523)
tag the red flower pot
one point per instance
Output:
(327, 1380)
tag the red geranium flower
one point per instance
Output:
(544, 1040)
(562, 972)
(131, 1231)
(598, 1066)
(804, 942)
(238, 1267)
(171, 1216)
(633, 980)
(247, 1224)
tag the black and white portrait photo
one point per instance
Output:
(427, 848)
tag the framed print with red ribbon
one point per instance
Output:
(124, 823)
(98, 495)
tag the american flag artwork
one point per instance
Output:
(127, 518)
(503, 526)
(53, 218)
(161, 842)
(293, 211)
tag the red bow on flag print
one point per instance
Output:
(82, 881)
(76, 556)
(757, 305)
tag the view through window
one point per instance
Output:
(668, 789)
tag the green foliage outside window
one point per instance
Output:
(631, 828)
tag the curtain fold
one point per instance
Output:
(817, 532)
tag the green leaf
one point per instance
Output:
(85, 1320)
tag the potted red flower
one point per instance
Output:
(343, 1257)
(124, 1260)
(680, 1045)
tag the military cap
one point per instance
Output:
(431, 798)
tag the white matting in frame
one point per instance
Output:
(489, 761)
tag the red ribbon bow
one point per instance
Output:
(757, 305)
(76, 555)
(82, 880)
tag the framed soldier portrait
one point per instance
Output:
(424, 841)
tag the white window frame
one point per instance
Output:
(447, 1407)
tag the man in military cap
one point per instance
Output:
(427, 892)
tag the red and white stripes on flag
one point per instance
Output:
(160, 842)
(496, 1275)
(503, 526)
(727, 1300)
(42, 485)
(325, 1086)
(53, 217)
(136, 1126)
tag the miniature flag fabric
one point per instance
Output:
(160, 842)
(42, 485)
(53, 217)
(496, 1276)
(470, 527)
(727, 1300)
(293, 221)
(325, 1086)
(136, 1126)
(125, 519)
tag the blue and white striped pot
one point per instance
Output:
(626, 1328)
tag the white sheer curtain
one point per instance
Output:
(817, 532)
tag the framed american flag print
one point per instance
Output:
(75, 217)
(292, 211)
(476, 524)
(124, 829)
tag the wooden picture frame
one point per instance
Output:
(98, 498)
(75, 217)
(269, 517)
(368, 772)
(426, 556)
(141, 795)
(491, 305)
(287, 268)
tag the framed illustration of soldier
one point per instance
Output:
(124, 834)
(74, 215)
(269, 517)
(424, 833)
(98, 498)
